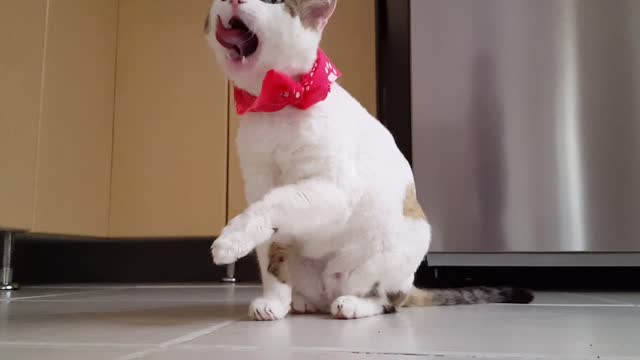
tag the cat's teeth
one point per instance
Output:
(244, 59)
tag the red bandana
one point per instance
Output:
(280, 90)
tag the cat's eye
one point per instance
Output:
(272, 1)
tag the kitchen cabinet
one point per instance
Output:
(74, 149)
(115, 121)
(56, 113)
(170, 135)
(22, 25)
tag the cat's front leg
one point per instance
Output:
(307, 206)
(240, 237)
(229, 247)
(275, 302)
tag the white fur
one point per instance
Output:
(329, 181)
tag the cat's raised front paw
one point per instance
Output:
(225, 250)
(239, 238)
(265, 309)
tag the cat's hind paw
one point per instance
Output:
(353, 307)
(300, 305)
(345, 307)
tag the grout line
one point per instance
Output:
(245, 348)
(69, 344)
(430, 354)
(602, 298)
(174, 342)
(220, 286)
(563, 305)
(44, 297)
(130, 301)
(586, 305)
(126, 287)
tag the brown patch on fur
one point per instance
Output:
(419, 297)
(374, 292)
(388, 309)
(292, 7)
(207, 24)
(305, 9)
(277, 262)
(397, 298)
(411, 207)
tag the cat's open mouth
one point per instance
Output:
(237, 38)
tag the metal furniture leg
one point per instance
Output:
(6, 273)
(231, 274)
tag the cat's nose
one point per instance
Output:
(236, 3)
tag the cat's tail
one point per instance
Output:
(468, 296)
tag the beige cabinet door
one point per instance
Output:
(22, 25)
(170, 138)
(75, 137)
(350, 42)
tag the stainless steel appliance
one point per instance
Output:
(526, 129)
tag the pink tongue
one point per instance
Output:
(232, 39)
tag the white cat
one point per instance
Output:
(333, 212)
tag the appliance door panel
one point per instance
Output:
(526, 123)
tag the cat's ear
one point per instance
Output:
(316, 13)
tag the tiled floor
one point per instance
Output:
(209, 322)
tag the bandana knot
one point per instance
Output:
(280, 90)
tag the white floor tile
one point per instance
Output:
(565, 298)
(252, 354)
(228, 294)
(209, 322)
(108, 322)
(40, 293)
(619, 297)
(503, 330)
(31, 352)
